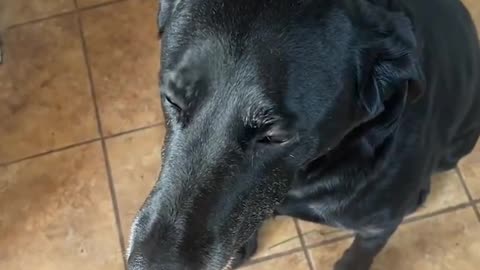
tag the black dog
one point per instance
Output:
(331, 111)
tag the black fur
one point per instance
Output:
(331, 111)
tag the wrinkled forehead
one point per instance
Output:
(214, 71)
(260, 62)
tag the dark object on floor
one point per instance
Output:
(333, 111)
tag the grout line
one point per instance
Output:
(330, 241)
(302, 242)
(7, 163)
(350, 235)
(467, 191)
(98, 5)
(295, 250)
(476, 210)
(57, 15)
(271, 257)
(437, 213)
(407, 221)
(114, 202)
(70, 12)
(111, 184)
(106, 137)
(460, 175)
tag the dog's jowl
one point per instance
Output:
(331, 111)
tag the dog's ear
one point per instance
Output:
(387, 61)
(167, 7)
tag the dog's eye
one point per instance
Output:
(172, 103)
(273, 140)
(274, 135)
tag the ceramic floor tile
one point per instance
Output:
(123, 50)
(46, 103)
(135, 160)
(56, 213)
(277, 235)
(295, 261)
(315, 233)
(474, 8)
(470, 170)
(446, 191)
(20, 11)
(446, 242)
(5, 81)
(87, 3)
(324, 257)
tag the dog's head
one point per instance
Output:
(253, 92)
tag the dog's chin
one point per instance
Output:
(229, 264)
(234, 261)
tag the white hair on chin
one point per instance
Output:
(130, 240)
(229, 264)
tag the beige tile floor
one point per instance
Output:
(80, 142)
